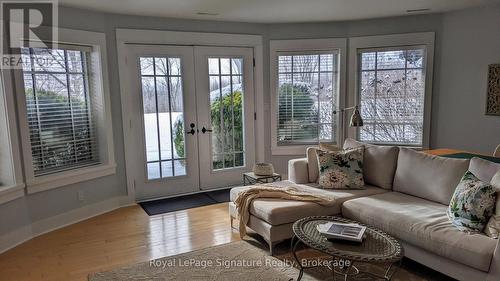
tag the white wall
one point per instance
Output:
(471, 39)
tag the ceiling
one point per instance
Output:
(273, 11)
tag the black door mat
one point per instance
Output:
(220, 196)
(173, 204)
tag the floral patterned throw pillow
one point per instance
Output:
(341, 169)
(472, 204)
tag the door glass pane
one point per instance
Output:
(226, 112)
(162, 96)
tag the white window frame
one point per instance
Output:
(11, 178)
(423, 39)
(98, 72)
(298, 45)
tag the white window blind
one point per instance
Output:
(59, 109)
(307, 96)
(391, 91)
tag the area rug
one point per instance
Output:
(242, 261)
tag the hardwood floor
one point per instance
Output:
(121, 237)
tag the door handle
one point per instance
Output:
(192, 131)
(203, 130)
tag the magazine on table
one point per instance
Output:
(342, 231)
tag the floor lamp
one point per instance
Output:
(356, 119)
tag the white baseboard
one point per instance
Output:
(37, 228)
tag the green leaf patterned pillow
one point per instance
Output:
(472, 204)
(341, 169)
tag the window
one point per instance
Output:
(306, 80)
(391, 81)
(64, 111)
(392, 95)
(59, 109)
(307, 96)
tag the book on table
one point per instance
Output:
(342, 231)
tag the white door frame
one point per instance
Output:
(138, 36)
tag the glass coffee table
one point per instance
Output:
(377, 247)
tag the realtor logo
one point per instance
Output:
(29, 24)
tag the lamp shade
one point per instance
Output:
(356, 120)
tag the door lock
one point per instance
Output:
(203, 130)
(192, 131)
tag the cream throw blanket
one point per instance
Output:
(290, 191)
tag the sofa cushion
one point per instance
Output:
(298, 170)
(279, 211)
(312, 164)
(312, 159)
(341, 169)
(379, 162)
(472, 204)
(428, 176)
(483, 169)
(493, 226)
(424, 224)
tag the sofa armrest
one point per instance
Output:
(494, 273)
(298, 171)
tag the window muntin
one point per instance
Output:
(59, 109)
(307, 96)
(162, 99)
(391, 91)
(226, 112)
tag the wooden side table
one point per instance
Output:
(251, 178)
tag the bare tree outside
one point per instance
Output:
(162, 100)
(392, 88)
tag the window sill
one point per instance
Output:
(47, 182)
(291, 149)
(11, 192)
(416, 147)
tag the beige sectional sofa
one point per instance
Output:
(407, 195)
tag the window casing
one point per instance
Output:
(307, 88)
(59, 109)
(84, 128)
(391, 93)
(11, 181)
(398, 116)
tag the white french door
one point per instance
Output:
(224, 94)
(165, 106)
(192, 125)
